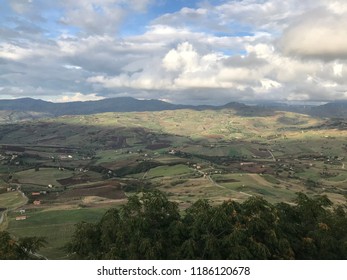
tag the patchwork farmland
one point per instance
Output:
(58, 172)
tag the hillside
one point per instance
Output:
(34, 108)
(121, 104)
(337, 109)
(74, 168)
(17, 116)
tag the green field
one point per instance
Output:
(56, 226)
(44, 176)
(168, 171)
(12, 200)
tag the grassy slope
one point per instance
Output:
(168, 171)
(56, 226)
(44, 176)
(12, 200)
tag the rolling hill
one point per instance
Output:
(28, 108)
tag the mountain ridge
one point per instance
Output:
(117, 104)
(129, 104)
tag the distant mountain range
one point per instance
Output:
(337, 109)
(119, 104)
(37, 108)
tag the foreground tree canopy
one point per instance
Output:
(151, 227)
(22, 249)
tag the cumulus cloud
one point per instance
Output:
(184, 58)
(184, 69)
(321, 36)
(207, 53)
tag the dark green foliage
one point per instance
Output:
(151, 227)
(313, 231)
(137, 185)
(142, 229)
(22, 249)
(141, 167)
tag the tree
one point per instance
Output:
(21, 249)
(141, 229)
(314, 228)
(149, 226)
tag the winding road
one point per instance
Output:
(272, 155)
(4, 213)
(2, 217)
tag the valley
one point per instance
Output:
(56, 172)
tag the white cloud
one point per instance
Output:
(321, 36)
(338, 68)
(77, 97)
(100, 17)
(184, 58)
(338, 7)
(74, 67)
(269, 49)
(259, 73)
(92, 18)
(13, 52)
(185, 68)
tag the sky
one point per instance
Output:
(187, 52)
